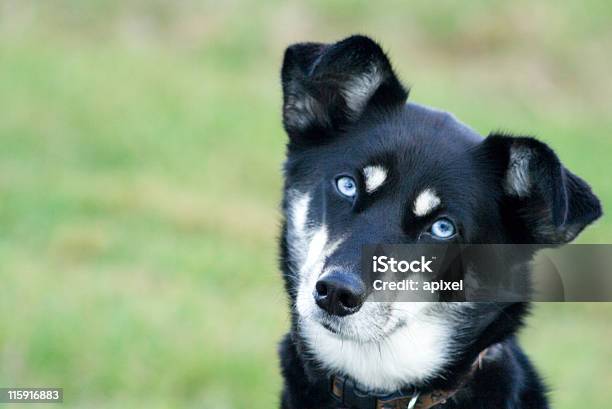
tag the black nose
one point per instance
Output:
(339, 293)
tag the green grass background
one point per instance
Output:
(140, 149)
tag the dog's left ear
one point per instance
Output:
(328, 86)
(549, 203)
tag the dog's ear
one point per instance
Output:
(328, 86)
(547, 203)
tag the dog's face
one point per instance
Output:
(364, 167)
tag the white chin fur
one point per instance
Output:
(410, 354)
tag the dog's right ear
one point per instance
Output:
(550, 204)
(328, 86)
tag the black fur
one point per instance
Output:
(332, 135)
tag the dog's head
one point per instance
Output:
(365, 167)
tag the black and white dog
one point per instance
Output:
(364, 166)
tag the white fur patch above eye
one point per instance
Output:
(375, 176)
(426, 202)
(518, 181)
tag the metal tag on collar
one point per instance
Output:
(414, 400)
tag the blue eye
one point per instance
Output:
(346, 186)
(443, 228)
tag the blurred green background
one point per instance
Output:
(140, 150)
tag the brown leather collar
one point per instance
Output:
(349, 395)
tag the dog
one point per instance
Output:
(365, 166)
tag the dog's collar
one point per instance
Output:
(348, 394)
